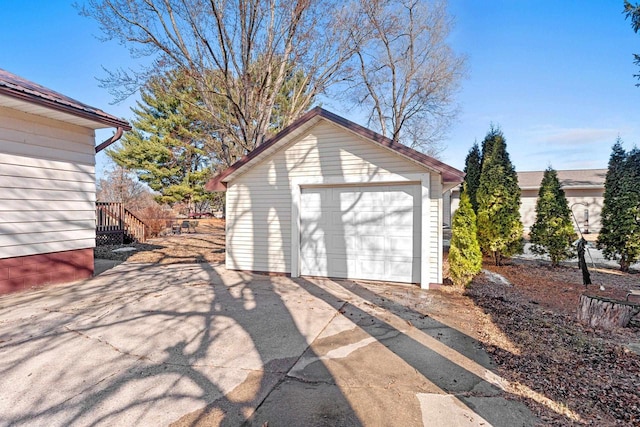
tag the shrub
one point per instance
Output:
(620, 234)
(552, 232)
(499, 226)
(155, 217)
(465, 258)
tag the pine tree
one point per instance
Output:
(619, 237)
(168, 145)
(465, 258)
(472, 178)
(552, 233)
(499, 226)
(487, 143)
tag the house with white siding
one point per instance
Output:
(47, 184)
(327, 197)
(584, 189)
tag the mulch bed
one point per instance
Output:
(590, 376)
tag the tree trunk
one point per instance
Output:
(605, 313)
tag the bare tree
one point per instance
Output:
(407, 72)
(254, 47)
(121, 185)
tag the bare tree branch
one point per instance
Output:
(252, 46)
(408, 74)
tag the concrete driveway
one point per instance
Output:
(151, 345)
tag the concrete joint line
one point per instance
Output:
(107, 343)
(286, 375)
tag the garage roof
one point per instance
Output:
(24, 95)
(218, 182)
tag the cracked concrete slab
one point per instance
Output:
(196, 344)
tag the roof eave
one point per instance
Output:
(107, 120)
(219, 182)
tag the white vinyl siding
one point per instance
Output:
(259, 201)
(434, 232)
(47, 185)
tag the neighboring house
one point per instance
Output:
(584, 190)
(327, 197)
(47, 184)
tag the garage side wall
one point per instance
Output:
(47, 190)
(259, 202)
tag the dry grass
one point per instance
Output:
(205, 245)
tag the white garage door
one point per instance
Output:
(368, 232)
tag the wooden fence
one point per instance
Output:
(116, 225)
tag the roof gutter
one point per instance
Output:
(107, 142)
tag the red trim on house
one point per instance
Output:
(449, 174)
(36, 270)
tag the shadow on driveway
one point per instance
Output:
(196, 344)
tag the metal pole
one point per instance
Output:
(580, 231)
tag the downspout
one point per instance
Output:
(107, 142)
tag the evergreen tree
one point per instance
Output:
(472, 178)
(619, 237)
(168, 145)
(465, 258)
(552, 233)
(499, 226)
(487, 143)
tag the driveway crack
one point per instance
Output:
(287, 376)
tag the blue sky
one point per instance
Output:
(556, 76)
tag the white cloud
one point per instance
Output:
(574, 136)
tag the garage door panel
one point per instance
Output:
(342, 244)
(401, 268)
(314, 266)
(401, 246)
(372, 245)
(400, 199)
(339, 266)
(343, 219)
(371, 268)
(312, 200)
(405, 217)
(310, 216)
(358, 198)
(371, 218)
(367, 232)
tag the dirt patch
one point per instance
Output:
(205, 245)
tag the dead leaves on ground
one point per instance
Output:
(589, 372)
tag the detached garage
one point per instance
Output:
(327, 197)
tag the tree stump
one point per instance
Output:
(606, 313)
